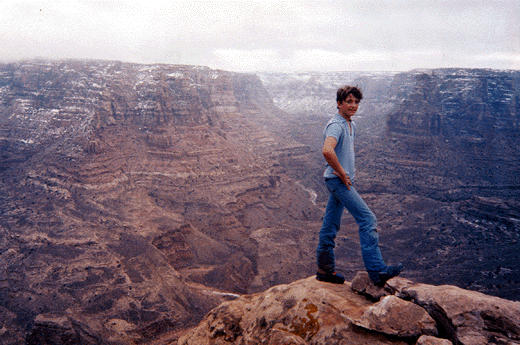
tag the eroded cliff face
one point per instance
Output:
(451, 142)
(137, 197)
(466, 122)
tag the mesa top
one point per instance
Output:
(338, 128)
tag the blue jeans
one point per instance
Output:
(340, 197)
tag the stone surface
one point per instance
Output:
(303, 312)
(58, 329)
(363, 285)
(397, 284)
(429, 340)
(394, 316)
(312, 312)
(468, 317)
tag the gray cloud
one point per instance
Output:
(268, 35)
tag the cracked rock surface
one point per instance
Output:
(311, 312)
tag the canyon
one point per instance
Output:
(136, 198)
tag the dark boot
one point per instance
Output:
(334, 277)
(380, 278)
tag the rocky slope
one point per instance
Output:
(137, 197)
(403, 312)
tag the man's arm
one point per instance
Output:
(331, 158)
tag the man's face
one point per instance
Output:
(349, 106)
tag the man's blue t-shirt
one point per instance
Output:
(338, 128)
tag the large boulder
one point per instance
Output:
(394, 316)
(468, 317)
(303, 312)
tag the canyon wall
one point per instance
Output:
(137, 197)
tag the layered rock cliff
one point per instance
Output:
(465, 122)
(403, 312)
(136, 197)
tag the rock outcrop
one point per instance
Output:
(311, 312)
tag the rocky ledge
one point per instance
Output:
(403, 312)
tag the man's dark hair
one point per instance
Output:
(346, 90)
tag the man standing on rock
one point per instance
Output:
(338, 150)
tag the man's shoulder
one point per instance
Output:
(334, 128)
(335, 119)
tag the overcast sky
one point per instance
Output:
(285, 36)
